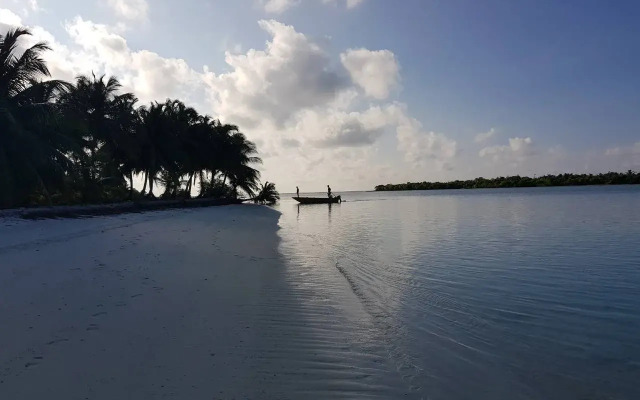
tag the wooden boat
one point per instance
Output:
(318, 200)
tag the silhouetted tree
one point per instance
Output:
(267, 194)
(610, 178)
(32, 145)
(85, 142)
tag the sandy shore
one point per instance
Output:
(112, 208)
(178, 304)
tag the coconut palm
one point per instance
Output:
(161, 133)
(104, 121)
(172, 182)
(240, 154)
(82, 142)
(32, 145)
(267, 194)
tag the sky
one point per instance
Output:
(355, 93)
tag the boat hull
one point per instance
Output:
(318, 200)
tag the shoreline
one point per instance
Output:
(183, 303)
(516, 181)
(506, 187)
(88, 210)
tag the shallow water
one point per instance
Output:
(484, 294)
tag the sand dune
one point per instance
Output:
(178, 304)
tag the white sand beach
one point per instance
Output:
(177, 304)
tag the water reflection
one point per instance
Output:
(313, 209)
(478, 284)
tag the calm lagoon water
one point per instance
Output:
(483, 294)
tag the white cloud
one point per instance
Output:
(134, 10)
(516, 151)
(30, 6)
(354, 3)
(420, 147)
(33, 5)
(61, 63)
(334, 128)
(349, 3)
(97, 49)
(625, 157)
(483, 137)
(147, 74)
(634, 149)
(291, 97)
(8, 19)
(27, 7)
(376, 72)
(278, 6)
(98, 40)
(291, 74)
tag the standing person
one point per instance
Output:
(297, 192)
(328, 191)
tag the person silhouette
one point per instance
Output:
(328, 191)
(297, 192)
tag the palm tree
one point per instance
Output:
(240, 153)
(172, 182)
(105, 122)
(178, 140)
(82, 142)
(32, 145)
(267, 194)
(160, 133)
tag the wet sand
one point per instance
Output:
(177, 304)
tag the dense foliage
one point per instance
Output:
(610, 178)
(267, 194)
(84, 142)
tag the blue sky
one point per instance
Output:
(356, 93)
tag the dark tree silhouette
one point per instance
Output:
(32, 146)
(610, 178)
(85, 142)
(267, 194)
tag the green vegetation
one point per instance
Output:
(610, 178)
(83, 142)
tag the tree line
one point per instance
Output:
(609, 178)
(85, 141)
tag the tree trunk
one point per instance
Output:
(47, 195)
(201, 183)
(188, 190)
(131, 185)
(144, 188)
(151, 185)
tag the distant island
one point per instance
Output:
(610, 178)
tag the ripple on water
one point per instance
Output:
(528, 293)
